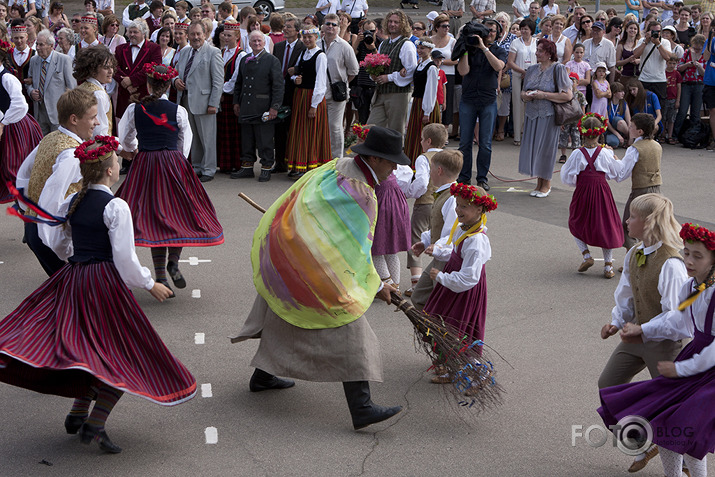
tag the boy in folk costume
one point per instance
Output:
(51, 171)
(20, 55)
(228, 144)
(94, 67)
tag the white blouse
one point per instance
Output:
(447, 52)
(522, 7)
(605, 162)
(679, 325)
(103, 107)
(18, 105)
(525, 54)
(418, 183)
(128, 131)
(118, 219)
(449, 215)
(321, 79)
(475, 252)
(430, 96)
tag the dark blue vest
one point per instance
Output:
(90, 237)
(4, 96)
(153, 137)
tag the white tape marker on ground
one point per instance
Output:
(196, 293)
(195, 261)
(211, 435)
(206, 390)
(199, 338)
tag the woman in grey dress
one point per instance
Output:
(544, 82)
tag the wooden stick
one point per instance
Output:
(250, 201)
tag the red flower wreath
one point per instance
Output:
(170, 74)
(472, 194)
(110, 145)
(695, 233)
(360, 131)
(8, 47)
(591, 132)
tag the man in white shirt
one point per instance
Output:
(599, 49)
(138, 9)
(357, 9)
(572, 32)
(653, 62)
(342, 66)
(392, 94)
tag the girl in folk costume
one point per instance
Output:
(181, 39)
(93, 69)
(20, 55)
(82, 334)
(309, 136)
(19, 132)
(680, 399)
(229, 132)
(424, 99)
(593, 217)
(460, 294)
(170, 207)
(89, 31)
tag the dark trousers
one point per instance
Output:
(50, 262)
(281, 128)
(257, 136)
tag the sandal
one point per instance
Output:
(499, 136)
(672, 141)
(517, 143)
(562, 159)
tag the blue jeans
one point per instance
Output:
(468, 113)
(691, 97)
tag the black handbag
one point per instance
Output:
(339, 89)
(568, 112)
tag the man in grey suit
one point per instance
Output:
(199, 86)
(51, 73)
(258, 92)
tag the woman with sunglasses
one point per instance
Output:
(584, 33)
(110, 29)
(56, 20)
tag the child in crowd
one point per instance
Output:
(593, 217)
(444, 170)
(619, 117)
(680, 398)
(460, 293)
(601, 90)
(580, 67)
(640, 100)
(642, 164)
(570, 130)
(672, 103)
(419, 187)
(82, 334)
(437, 58)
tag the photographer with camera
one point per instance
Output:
(652, 65)
(362, 89)
(480, 61)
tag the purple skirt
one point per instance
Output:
(169, 205)
(466, 311)
(392, 230)
(17, 142)
(82, 326)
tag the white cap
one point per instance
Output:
(600, 64)
(432, 15)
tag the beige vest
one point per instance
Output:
(428, 197)
(646, 172)
(644, 282)
(436, 219)
(91, 87)
(47, 151)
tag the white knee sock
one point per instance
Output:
(697, 467)
(582, 247)
(672, 462)
(381, 266)
(393, 266)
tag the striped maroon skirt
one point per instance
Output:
(308, 139)
(169, 205)
(82, 326)
(228, 139)
(413, 148)
(17, 142)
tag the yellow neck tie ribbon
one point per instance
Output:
(641, 257)
(698, 290)
(473, 230)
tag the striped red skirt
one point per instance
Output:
(169, 205)
(228, 138)
(413, 148)
(81, 327)
(17, 142)
(308, 139)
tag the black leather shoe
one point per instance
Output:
(243, 173)
(89, 433)
(279, 169)
(265, 175)
(297, 175)
(73, 423)
(166, 284)
(363, 411)
(292, 173)
(206, 178)
(483, 185)
(263, 381)
(172, 269)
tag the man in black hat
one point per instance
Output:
(309, 312)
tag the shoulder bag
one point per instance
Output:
(567, 112)
(339, 89)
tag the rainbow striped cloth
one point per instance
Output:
(311, 252)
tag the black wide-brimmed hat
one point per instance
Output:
(384, 143)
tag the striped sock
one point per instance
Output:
(107, 397)
(158, 256)
(175, 254)
(80, 407)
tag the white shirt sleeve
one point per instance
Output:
(476, 251)
(118, 219)
(629, 162)
(185, 134)
(321, 80)
(23, 173)
(442, 250)
(705, 359)
(449, 215)
(573, 166)
(127, 130)
(403, 175)
(408, 57)
(624, 310)
(103, 107)
(125, 17)
(418, 185)
(230, 85)
(65, 172)
(59, 238)
(607, 163)
(18, 106)
(673, 276)
(430, 95)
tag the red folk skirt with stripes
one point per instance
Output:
(17, 142)
(413, 148)
(169, 205)
(308, 139)
(228, 139)
(83, 326)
